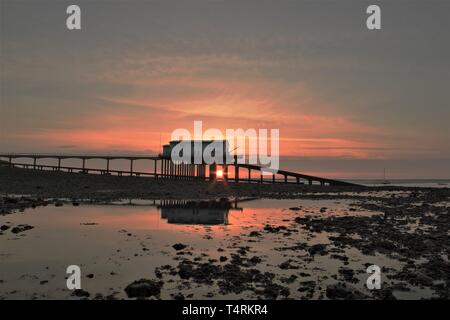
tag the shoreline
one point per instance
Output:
(89, 186)
(26, 188)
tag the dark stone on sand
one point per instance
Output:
(304, 274)
(179, 246)
(144, 288)
(58, 204)
(291, 279)
(301, 220)
(384, 294)
(80, 293)
(272, 291)
(288, 265)
(242, 251)
(254, 234)
(318, 249)
(98, 296)
(339, 257)
(255, 260)
(307, 287)
(295, 208)
(90, 276)
(223, 258)
(341, 291)
(21, 228)
(179, 296)
(185, 270)
(4, 227)
(274, 229)
(348, 274)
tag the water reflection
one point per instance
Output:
(197, 212)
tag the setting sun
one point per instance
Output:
(219, 173)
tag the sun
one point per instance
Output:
(219, 173)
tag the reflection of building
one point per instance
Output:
(195, 212)
(195, 215)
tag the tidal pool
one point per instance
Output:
(121, 242)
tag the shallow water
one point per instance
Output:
(125, 241)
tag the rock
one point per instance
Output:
(4, 227)
(304, 274)
(242, 251)
(185, 270)
(348, 274)
(291, 279)
(288, 265)
(223, 259)
(144, 288)
(179, 296)
(341, 291)
(339, 257)
(384, 294)
(80, 293)
(272, 291)
(254, 260)
(21, 228)
(307, 288)
(98, 296)
(318, 249)
(90, 276)
(301, 220)
(58, 204)
(254, 234)
(295, 208)
(179, 246)
(274, 229)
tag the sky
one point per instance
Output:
(348, 101)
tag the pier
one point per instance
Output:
(164, 168)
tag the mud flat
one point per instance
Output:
(293, 242)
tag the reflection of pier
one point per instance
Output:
(196, 212)
(164, 168)
(207, 212)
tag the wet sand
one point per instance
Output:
(314, 244)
